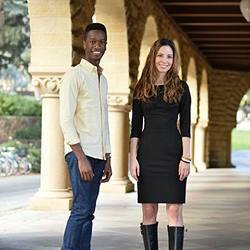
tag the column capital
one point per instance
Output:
(202, 123)
(194, 120)
(48, 85)
(120, 108)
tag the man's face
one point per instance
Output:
(95, 46)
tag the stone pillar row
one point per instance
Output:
(54, 191)
(51, 56)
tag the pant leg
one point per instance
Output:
(98, 167)
(77, 235)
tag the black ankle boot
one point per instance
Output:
(175, 238)
(149, 235)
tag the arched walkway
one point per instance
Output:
(56, 44)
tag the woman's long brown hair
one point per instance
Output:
(146, 86)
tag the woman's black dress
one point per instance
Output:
(160, 146)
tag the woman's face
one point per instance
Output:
(164, 59)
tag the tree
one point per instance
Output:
(14, 39)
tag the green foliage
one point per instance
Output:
(14, 43)
(34, 156)
(29, 133)
(19, 105)
(16, 144)
(240, 140)
(14, 34)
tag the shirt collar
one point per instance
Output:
(90, 67)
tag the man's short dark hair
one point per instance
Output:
(94, 26)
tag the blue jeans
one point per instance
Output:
(78, 232)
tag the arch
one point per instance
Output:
(227, 90)
(149, 37)
(179, 58)
(240, 153)
(237, 97)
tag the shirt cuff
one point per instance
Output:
(72, 141)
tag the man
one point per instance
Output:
(84, 122)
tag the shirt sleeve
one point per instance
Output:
(68, 103)
(108, 144)
(185, 112)
(137, 119)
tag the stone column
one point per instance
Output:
(200, 145)
(50, 26)
(219, 151)
(53, 192)
(119, 127)
(115, 64)
(192, 143)
(228, 148)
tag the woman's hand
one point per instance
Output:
(184, 170)
(134, 168)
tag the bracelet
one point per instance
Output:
(186, 158)
(188, 162)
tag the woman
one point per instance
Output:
(160, 153)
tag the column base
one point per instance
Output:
(117, 186)
(201, 166)
(51, 201)
(193, 168)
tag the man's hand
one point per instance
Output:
(85, 169)
(84, 166)
(107, 172)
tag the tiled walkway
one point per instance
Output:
(217, 216)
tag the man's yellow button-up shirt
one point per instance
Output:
(84, 110)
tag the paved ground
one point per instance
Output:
(241, 158)
(16, 190)
(217, 216)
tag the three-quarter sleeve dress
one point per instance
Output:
(160, 146)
